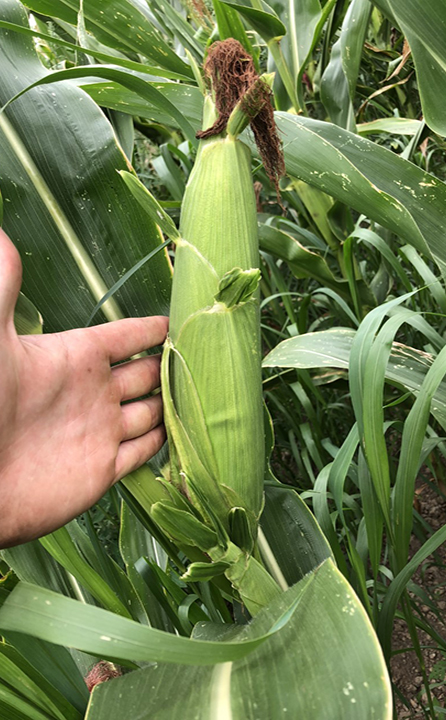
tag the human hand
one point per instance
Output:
(65, 438)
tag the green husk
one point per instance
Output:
(213, 365)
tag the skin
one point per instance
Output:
(65, 437)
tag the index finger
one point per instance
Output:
(123, 338)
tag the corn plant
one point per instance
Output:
(242, 604)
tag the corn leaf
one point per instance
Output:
(369, 178)
(66, 212)
(27, 319)
(123, 25)
(116, 58)
(300, 20)
(55, 664)
(331, 349)
(425, 29)
(265, 22)
(60, 545)
(399, 584)
(115, 96)
(295, 543)
(32, 685)
(46, 615)
(338, 82)
(129, 80)
(230, 26)
(321, 637)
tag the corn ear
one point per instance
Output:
(211, 496)
(212, 364)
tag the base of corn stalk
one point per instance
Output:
(248, 577)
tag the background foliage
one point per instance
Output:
(353, 305)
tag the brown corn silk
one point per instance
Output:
(232, 74)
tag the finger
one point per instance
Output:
(141, 416)
(134, 453)
(10, 278)
(123, 338)
(137, 377)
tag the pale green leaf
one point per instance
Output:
(46, 615)
(331, 349)
(328, 636)
(372, 180)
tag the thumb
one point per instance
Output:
(10, 278)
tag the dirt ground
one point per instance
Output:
(405, 667)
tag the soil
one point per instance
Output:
(405, 667)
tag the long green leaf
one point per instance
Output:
(230, 26)
(56, 664)
(392, 125)
(124, 78)
(32, 563)
(105, 57)
(399, 584)
(114, 96)
(303, 262)
(331, 348)
(267, 24)
(15, 707)
(135, 545)
(55, 618)
(372, 383)
(276, 680)
(372, 513)
(411, 451)
(293, 540)
(369, 178)
(62, 548)
(29, 683)
(65, 208)
(120, 24)
(300, 19)
(180, 27)
(340, 467)
(338, 82)
(361, 347)
(424, 26)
